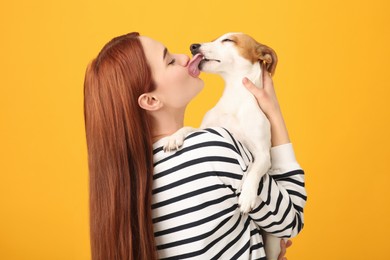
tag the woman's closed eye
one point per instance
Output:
(172, 62)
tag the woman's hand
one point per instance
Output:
(268, 102)
(283, 249)
(266, 96)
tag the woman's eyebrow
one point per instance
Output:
(165, 53)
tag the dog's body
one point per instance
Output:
(235, 56)
(238, 111)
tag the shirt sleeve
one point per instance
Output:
(281, 194)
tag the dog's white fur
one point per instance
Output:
(231, 56)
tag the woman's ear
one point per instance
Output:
(149, 102)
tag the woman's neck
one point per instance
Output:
(165, 123)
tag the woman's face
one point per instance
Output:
(175, 87)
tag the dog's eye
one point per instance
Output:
(227, 40)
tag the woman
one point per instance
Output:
(183, 204)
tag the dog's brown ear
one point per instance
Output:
(268, 56)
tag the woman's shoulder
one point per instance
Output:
(208, 137)
(200, 139)
(214, 135)
(217, 133)
(219, 137)
(215, 144)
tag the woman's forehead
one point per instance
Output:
(151, 46)
(154, 51)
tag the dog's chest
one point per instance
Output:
(238, 115)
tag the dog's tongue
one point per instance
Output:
(193, 66)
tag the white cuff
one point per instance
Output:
(283, 159)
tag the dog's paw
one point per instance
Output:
(248, 196)
(174, 142)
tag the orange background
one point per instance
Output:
(332, 81)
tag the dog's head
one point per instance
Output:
(232, 52)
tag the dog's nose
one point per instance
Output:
(194, 48)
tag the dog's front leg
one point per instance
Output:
(248, 197)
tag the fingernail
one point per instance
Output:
(245, 80)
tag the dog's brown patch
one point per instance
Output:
(254, 51)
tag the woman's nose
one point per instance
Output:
(184, 60)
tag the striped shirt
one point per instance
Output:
(195, 198)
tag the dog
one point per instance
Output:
(235, 56)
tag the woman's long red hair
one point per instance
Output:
(119, 152)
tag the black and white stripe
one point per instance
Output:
(195, 210)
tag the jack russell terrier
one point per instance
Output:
(235, 56)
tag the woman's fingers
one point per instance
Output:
(266, 97)
(267, 80)
(258, 93)
(289, 243)
(283, 248)
(249, 85)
